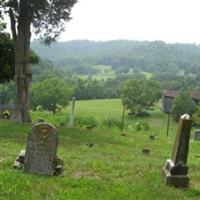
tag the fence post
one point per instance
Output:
(168, 125)
(123, 117)
(72, 114)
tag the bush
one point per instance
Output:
(196, 116)
(112, 122)
(39, 108)
(50, 93)
(142, 114)
(141, 126)
(182, 104)
(59, 108)
(89, 122)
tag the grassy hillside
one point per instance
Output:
(114, 168)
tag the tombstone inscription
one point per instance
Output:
(41, 149)
(175, 170)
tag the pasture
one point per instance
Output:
(113, 168)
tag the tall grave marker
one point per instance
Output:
(41, 149)
(175, 170)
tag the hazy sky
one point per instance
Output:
(167, 20)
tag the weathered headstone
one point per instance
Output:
(197, 135)
(41, 149)
(175, 170)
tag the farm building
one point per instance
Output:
(169, 95)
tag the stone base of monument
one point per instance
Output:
(178, 181)
(175, 175)
(19, 163)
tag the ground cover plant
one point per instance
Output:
(113, 167)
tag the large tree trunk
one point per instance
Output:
(22, 67)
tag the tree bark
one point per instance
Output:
(22, 67)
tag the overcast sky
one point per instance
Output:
(167, 20)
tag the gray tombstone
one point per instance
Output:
(175, 170)
(41, 149)
(197, 135)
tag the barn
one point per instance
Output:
(169, 95)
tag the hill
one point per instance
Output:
(154, 57)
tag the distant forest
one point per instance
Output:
(155, 57)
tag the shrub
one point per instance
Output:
(141, 126)
(89, 122)
(182, 104)
(112, 122)
(39, 108)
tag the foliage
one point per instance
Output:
(49, 93)
(7, 93)
(47, 17)
(6, 58)
(155, 57)
(182, 104)
(112, 122)
(139, 94)
(141, 126)
(89, 122)
(196, 116)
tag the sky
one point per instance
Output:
(167, 20)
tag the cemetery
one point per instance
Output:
(98, 101)
(45, 161)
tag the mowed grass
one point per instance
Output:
(113, 168)
(103, 110)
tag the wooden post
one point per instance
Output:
(167, 134)
(71, 121)
(123, 116)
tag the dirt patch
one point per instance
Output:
(88, 175)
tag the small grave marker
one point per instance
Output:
(197, 135)
(41, 149)
(175, 170)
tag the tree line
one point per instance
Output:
(156, 57)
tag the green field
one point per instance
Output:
(105, 72)
(113, 168)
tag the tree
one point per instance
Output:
(182, 104)
(139, 94)
(6, 58)
(7, 93)
(47, 19)
(49, 93)
(196, 115)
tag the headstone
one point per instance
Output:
(41, 149)
(197, 135)
(175, 170)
